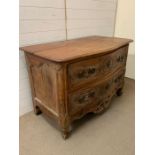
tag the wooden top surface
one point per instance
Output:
(76, 48)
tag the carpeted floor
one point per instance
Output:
(111, 133)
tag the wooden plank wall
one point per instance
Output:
(40, 21)
(44, 21)
(90, 17)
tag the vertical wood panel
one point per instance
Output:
(90, 17)
(90, 4)
(37, 26)
(41, 37)
(38, 13)
(43, 3)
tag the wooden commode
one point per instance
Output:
(72, 78)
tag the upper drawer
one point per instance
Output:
(86, 70)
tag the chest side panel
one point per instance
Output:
(44, 81)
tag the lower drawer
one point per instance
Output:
(95, 98)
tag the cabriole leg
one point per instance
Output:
(119, 92)
(37, 110)
(65, 133)
(65, 128)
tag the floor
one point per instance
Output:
(111, 133)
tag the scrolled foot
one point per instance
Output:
(119, 92)
(65, 134)
(65, 127)
(37, 110)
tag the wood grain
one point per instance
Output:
(74, 49)
(91, 74)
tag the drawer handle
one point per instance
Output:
(86, 97)
(91, 94)
(91, 70)
(81, 99)
(120, 58)
(81, 74)
(109, 64)
(86, 73)
(107, 86)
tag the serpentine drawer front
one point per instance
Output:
(71, 78)
(87, 70)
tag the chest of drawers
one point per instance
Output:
(72, 78)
